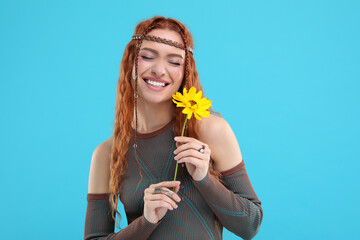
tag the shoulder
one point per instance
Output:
(99, 175)
(214, 122)
(217, 133)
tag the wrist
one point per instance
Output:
(151, 221)
(202, 178)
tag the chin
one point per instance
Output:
(155, 100)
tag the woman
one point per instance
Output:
(138, 163)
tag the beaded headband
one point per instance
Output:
(162, 40)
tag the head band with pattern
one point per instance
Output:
(161, 40)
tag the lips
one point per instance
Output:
(156, 80)
(155, 88)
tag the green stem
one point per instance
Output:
(182, 134)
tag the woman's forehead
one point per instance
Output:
(161, 47)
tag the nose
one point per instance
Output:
(158, 69)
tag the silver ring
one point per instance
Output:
(202, 149)
(160, 190)
(157, 190)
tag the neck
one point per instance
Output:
(153, 116)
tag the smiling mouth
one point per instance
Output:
(154, 83)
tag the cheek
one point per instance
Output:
(142, 65)
(178, 73)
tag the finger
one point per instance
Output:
(198, 163)
(179, 144)
(169, 193)
(185, 139)
(177, 188)
(191, 153)
(165, 184)
(159, 203)
(163, 190)
(189, 145)
(162, 197)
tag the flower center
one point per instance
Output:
(192, 105)
(192, 102)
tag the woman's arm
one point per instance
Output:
(235, 202)
(99, 223)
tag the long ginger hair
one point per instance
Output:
(124, 105)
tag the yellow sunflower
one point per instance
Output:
(192, 103)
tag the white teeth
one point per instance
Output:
(156, 84)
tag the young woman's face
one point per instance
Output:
(160, 63)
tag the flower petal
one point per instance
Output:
(194, 107)
(198, 96)
(178, 96)
(179, 104)
(189, 115)
(204, 113)
(192, 93)
(196, 116)
(192, 103)
(186, 110)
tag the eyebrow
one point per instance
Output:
(154, 51)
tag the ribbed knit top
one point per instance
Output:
(206, 205)
(193, 219)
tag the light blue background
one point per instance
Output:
(284, 74)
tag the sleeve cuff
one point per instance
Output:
(150, 224)
(202, 181)
(211, 189)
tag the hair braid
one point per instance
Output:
(186, 74)
(138, 45)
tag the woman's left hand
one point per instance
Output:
(197, 163)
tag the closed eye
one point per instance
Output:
(145, 57)
(175, 63)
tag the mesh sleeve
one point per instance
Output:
(235, 202)
(99, 225)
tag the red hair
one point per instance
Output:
(124, 105)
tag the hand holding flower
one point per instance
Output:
(197, 163)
